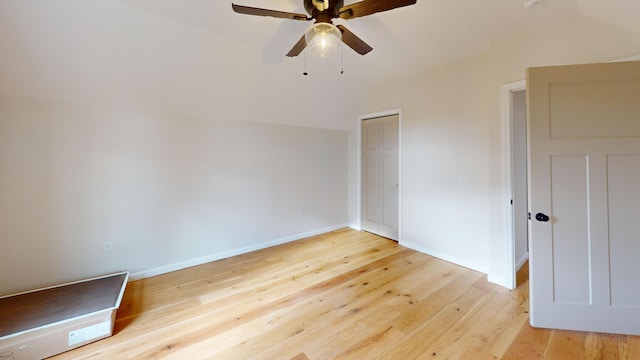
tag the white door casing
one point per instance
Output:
(514, 137)
(584, 138)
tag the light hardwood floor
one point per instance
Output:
(342, 295)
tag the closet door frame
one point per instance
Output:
(360, 120)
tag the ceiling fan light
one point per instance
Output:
(323, 39)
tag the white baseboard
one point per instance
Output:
(521, 262)
(451, 259)
(499, 280)
(503, 281)
(223, 255)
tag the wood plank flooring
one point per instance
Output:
(341, 295)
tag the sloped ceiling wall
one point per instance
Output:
(111, 53)
(197, 57)
(620, 12)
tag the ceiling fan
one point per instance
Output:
(323, 30)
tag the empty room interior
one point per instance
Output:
(386, 201)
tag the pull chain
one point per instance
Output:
(305, 64)
(341, 59)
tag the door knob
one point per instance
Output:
(542, 217)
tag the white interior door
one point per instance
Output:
(584, 126)
(380, 176)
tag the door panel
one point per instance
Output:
(584, 171)
(389, 199)
(624, 228)
(373, 193)
(371, 171)
(588, 103)
(570, 226)
(389, 175)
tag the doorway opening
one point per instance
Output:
(515, 198)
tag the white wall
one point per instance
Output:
(167, 191)
(452, 127)
(442, 132)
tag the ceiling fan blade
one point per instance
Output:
(297, 48)
(248, 10)
(354, 42)
(368, 7)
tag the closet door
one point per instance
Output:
(380, 176)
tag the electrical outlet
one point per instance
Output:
(108, 247)
(300, 212)
(465, 179)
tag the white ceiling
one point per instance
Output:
(198, 57)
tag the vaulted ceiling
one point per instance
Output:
(198, 57)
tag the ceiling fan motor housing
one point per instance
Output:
(315, 8)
